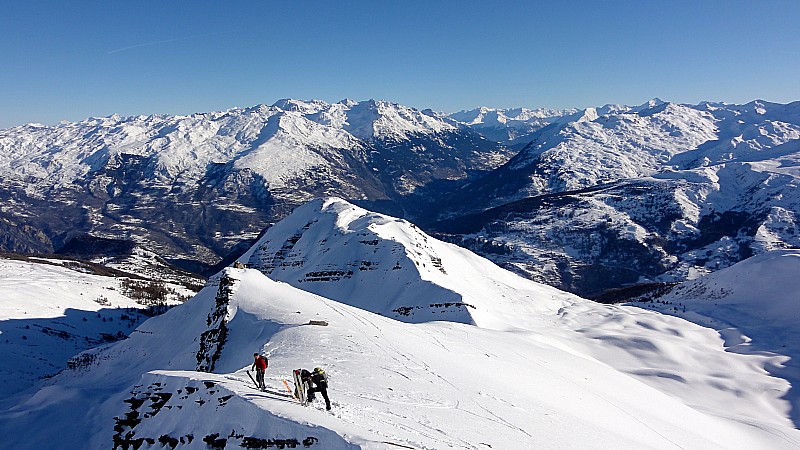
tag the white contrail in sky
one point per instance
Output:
(165, 41)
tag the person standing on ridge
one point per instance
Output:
(260, 365)
(320, 381)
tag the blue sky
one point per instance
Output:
(68, 60)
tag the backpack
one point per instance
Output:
(319, 377)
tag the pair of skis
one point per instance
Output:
(301, 388)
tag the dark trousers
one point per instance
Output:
(323, 391)
(260, 378)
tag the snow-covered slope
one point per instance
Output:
(565, 372)
(755, 309)
(52, 309)
(333, 248)
(758, 295)
(429, 385)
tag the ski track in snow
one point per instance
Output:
(412, 364)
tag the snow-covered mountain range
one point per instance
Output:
(512, 126)
(656, 193)
(595, 199)
(426, 346)
(191, 187)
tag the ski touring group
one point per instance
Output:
(306, 383)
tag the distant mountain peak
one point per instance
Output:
(334, 248)
(302, 106)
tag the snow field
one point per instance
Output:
(526, 366)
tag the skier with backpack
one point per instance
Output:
(320, 384)
(260, 364)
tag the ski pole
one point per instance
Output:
(253, 380)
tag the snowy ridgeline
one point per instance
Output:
(523, 366)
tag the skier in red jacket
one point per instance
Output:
(260, 365)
